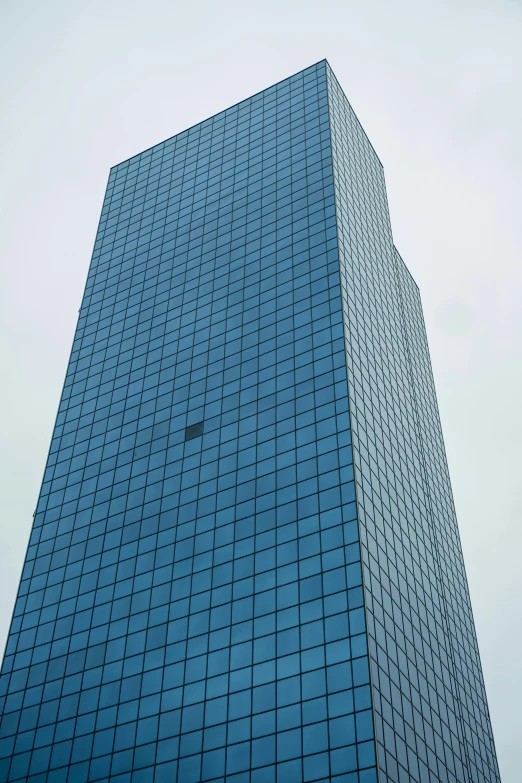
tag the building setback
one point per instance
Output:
(245, 564)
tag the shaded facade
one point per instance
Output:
(244, 563)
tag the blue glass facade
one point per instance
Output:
(244, 564)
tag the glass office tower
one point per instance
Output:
(244, 563)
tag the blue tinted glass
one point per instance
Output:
(235, 571)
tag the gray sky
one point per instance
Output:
(437, 87)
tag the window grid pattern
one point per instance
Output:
(431, 713)
(469, 682)
(191, 604)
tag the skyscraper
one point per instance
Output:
(245, 564)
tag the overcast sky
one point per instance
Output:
(437, 87)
